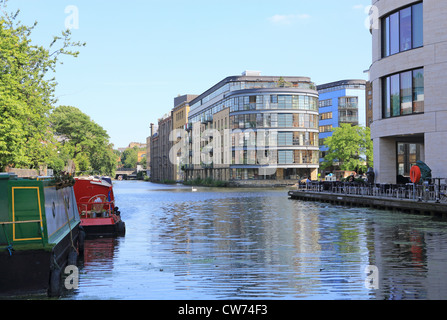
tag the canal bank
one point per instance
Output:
(404, 205)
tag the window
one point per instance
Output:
(407, 155)
(348, 116)
(417, 26)
(285, 120)
(325, 115)
(385, 37)
(325, 103)
(386, 97)
(406, 93)
(348, 102)
(394, 33)
(285, 138)
(395, 95)
(418, 90)
(252, 102)
(327, 128)
(403, 93)
(405, 29)
(402, 30)
(285, 157)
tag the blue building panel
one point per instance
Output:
(334, 91)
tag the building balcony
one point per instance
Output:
(186, 167)
(206, 119)
(207, 165)
(349, 106)
(348, 119)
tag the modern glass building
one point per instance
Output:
(409, 78)
(253, 128)
(340, 102)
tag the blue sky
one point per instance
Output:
(142, 54)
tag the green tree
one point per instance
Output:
(129, 157)
(26, 93)
(143, 162)
(83, 140)
(350, 146)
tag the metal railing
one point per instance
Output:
(6, 223)
(89, 208)
(435, 192)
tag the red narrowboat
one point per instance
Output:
(96, 206)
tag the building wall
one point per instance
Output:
(161, 166)
(221, 145)
(429, 126)
(155, 158)
(247, 104)
(167, 167)
(180, 114)
(340, 90)
(368, 104)
(148, 154)
(361, 95)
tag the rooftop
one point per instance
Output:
(349, 82)
(253, 76)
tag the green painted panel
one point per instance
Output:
(26, 207)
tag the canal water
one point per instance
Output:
(259, 244)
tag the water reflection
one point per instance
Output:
(237, 244)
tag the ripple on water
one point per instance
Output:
(258, 244)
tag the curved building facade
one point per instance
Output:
(409, 78)
(265, 128)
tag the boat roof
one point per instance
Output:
(95, 180)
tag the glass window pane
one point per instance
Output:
(417, 25)
(259, 120)
(405, 29)
(395, 95)
(386, 97)
(418, 90)
(274, 120)
(406, 92)
(386, 37)
(285, 157)
(394, 33)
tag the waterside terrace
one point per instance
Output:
(426, 199)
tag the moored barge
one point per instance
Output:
(96, 206)
(40, 234)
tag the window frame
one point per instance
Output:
(386, 31)
(387, 102)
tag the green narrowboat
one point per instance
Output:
(40, 234)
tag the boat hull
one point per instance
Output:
(39, 234)
(29, 271)
(103, 227)
(96, 206)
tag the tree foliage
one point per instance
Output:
(351, 147)
(83, 140)
(32, 131)
(129, 158)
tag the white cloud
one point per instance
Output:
(287, 19)
(358, 6)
